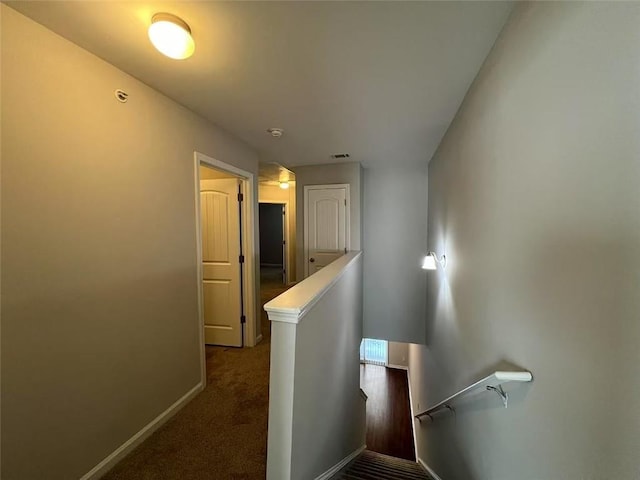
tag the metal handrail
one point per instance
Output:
(492, 382)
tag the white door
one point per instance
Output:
(220, 222)
(326, 225)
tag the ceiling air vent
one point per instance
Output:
(340, 155)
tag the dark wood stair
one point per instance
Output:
(375, 466)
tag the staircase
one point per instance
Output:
(375, 466)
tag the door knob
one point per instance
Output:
(312, 260)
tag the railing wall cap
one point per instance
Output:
(293, 305)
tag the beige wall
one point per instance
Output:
(275, 194)
(534, 195)
(398, 354)
(350, 173)
(207, 173)
(99, 291)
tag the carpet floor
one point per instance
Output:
(222, 433)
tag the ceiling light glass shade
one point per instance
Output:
(171, 36)
(284, 185)
(429, 262)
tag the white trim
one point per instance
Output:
(429, 470)
(305, 206)
(398, 367)
(219, 165)
(248, 246)
(295, 303)
(342, 463)
(118, 454)
(199, 273)
(363, 394)
(413, 419)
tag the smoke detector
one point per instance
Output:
(275, 132)
(340, 155)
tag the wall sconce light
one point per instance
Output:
(431, 261)
(284, 185)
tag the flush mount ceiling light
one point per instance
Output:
(171, 36)
(275, 132)
(284, 185)
(431, 261)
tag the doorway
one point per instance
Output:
(273, 245)
(225, 251)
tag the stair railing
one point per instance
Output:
(491, 383)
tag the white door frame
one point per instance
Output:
(347, 219)
(248, 247)
(287, 267)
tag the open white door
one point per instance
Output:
(326, 225)
(220, 227)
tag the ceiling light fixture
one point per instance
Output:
(431, 261)
(284, 185)
(275, 132)
(171, 36)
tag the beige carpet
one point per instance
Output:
(222, 433)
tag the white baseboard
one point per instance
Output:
(109, 462)
(398, 367)
(364, 396)
(413, 418)
(429, 470)
(338, 466)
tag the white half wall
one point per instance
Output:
(316, 413)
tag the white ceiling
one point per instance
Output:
(274, 173)
(379, 80)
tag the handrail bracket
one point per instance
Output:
(503, 395)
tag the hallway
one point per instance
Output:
(388, 411)
(222, 433)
